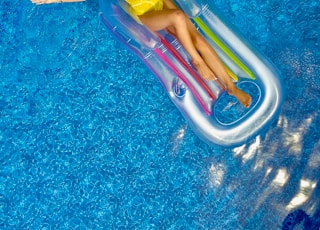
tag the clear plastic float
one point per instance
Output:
(214, 116)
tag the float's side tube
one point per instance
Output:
(231, 74)
(191, 71)
(223, 47)
(180, 75)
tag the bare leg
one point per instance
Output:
(176, 19)
(212, 59)
(215, 64)
(208, 63)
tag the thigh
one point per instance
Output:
(158, 20)
(169, 4)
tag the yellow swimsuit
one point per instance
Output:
(141, 7)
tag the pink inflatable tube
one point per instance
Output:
(214, 116)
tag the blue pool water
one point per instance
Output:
(89, 139)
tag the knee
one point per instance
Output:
(179, 17)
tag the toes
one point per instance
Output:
(247, 105)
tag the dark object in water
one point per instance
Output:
(299, 216)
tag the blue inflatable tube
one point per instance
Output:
(200, 101)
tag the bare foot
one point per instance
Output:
(244, 98)
(204, 70)
(39, 2)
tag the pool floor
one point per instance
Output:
(90, 140)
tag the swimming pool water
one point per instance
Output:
(89, 139)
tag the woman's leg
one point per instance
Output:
(176, 19)
(214, 62)
(211, 58)
(208, 63)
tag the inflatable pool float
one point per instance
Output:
(214, 116)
